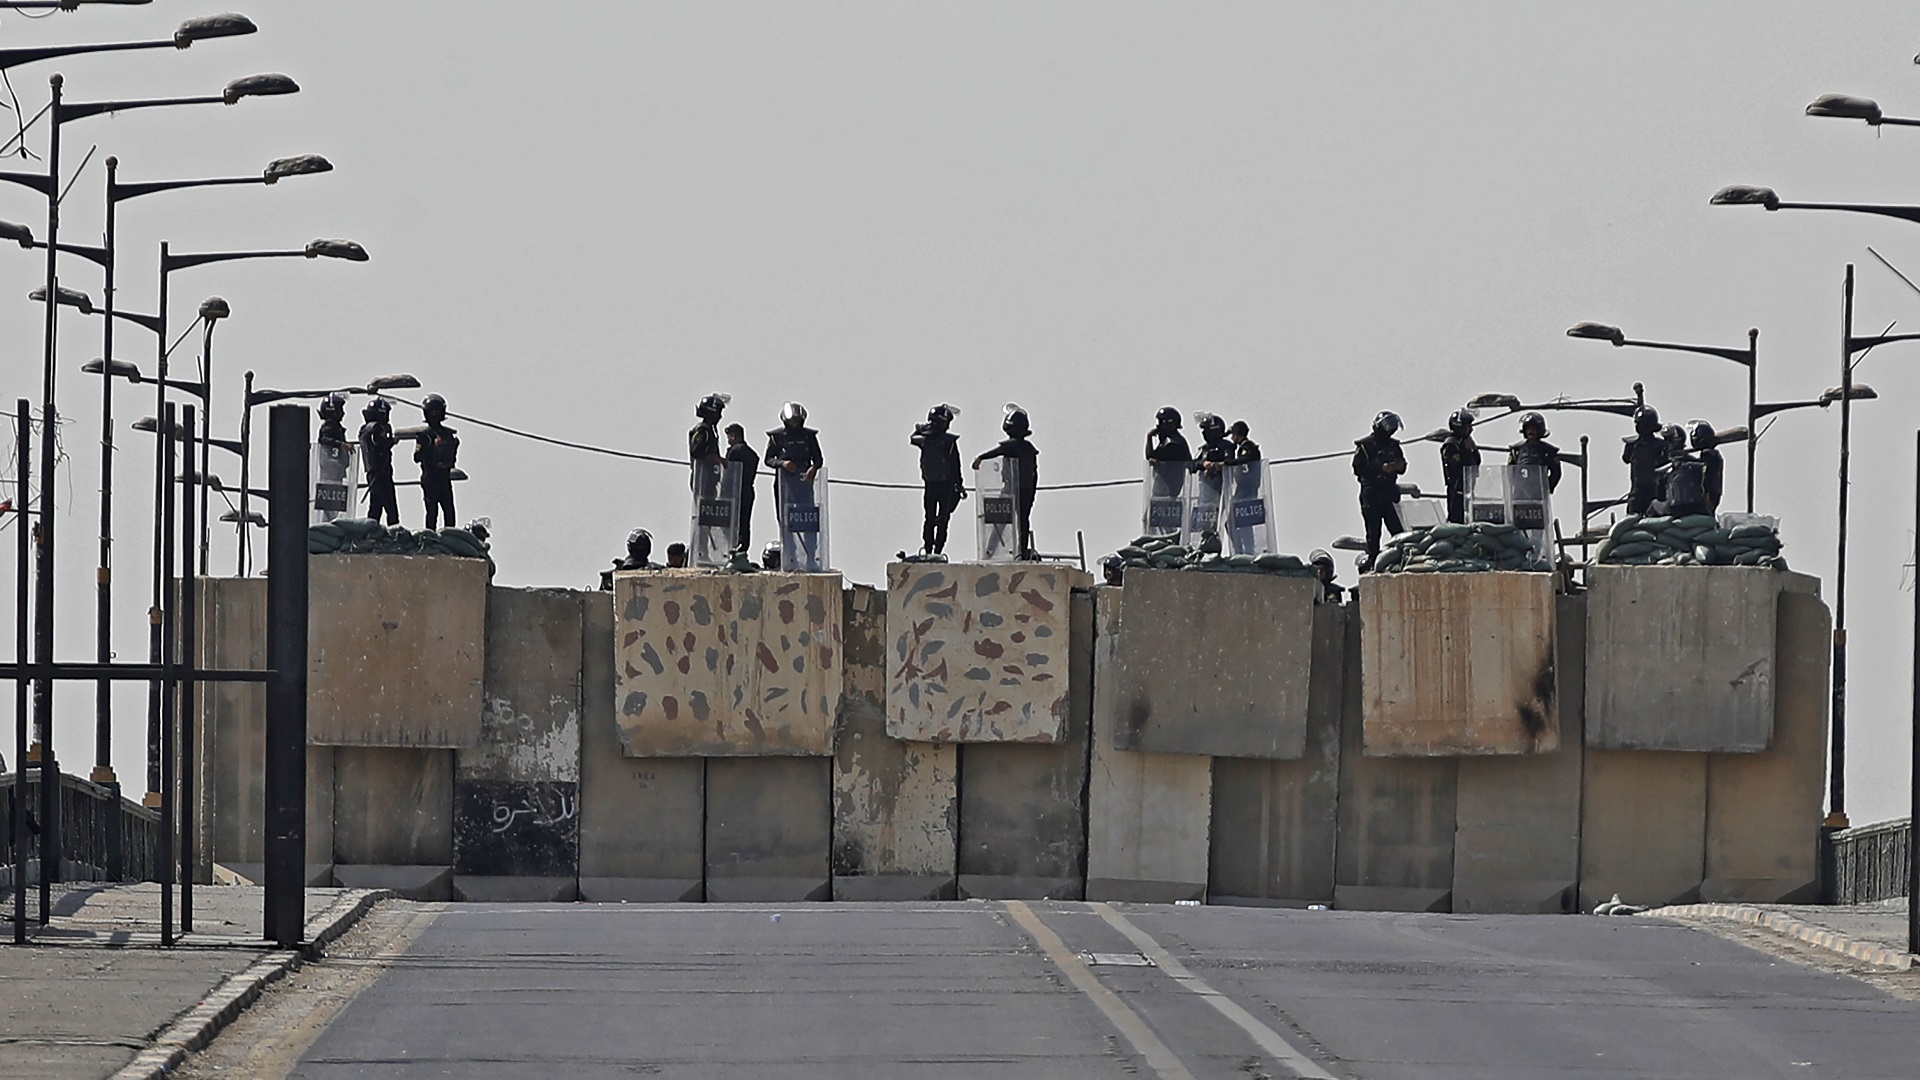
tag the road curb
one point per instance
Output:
(1788, 926)
(197, 1027)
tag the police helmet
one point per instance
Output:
(334, 407)
(1675, 438)
(434, 406)
(1210, 424)
(1702, 433)
(942, 414)
(377, 409)
(1459, 423)
(1534, 419)
(711, 406)
(793, 413)
(1015, 422)
(642, 539)
(1387, 423)
(1320, 557)
(1168, 417)
(770, 555)
(1239, 428)
(1646, 420)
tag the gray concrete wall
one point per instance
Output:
(516, 832)
(1643, 821)
(1023, 806)
(396, 650)
(896, 804)
(1682, 657)
(393, 819)
(1147, 814)
(769, 829)
(1275, 822)
(642, 820)
(1516, 841)
(1217, 664)
(1764, 810)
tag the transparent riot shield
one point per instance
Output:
(716, 512)
(1422, 513)
(997, 509)
(1166, 504)
(802, 507)
(1249, 501)
(1205, 495)
(1487, 496)
(335, 470)
(1530, 505)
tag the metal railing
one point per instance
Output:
(1871, 861)
(101, 833)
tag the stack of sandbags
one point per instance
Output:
(1693, 540)
(365, 536)
(1452, 548)
(1167, 553)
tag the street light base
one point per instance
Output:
(103, 774)
(1835, 820)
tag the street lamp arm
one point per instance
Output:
(122, 192)
(89, 252)
(1904, 213)
(1768, 408)
(1860, 344)
(39, 182)
(179, 262)
(82, 109)
(1743, 357)
(15, 57)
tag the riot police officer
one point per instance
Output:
(1244, 448)
(376, 450)
(793, 451)
(1323, 571)
(1458, 453)
(1378, 464)
(1644, 455)
(1706, 447)
(1016, 447)
(639, 554)
(940, 479)
(333, 415)
(1215, 449)
(703, 441)
(1164, 442)
(437, 450)
(1534, 449)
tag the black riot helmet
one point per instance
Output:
(1387, 423)
(377, 410)
(712, 406)
(1167, 419)
(1239, 428)
(334, 407)
(1675, 438)
(1702, 434)
(1211, 426)
(1460, 423)
(1533, 420)
(1321, 557)
(1015, 424)
(770, 555)
(1646, 420)
(640, 544)
(435, 408)
(941, 416)
(793, 414)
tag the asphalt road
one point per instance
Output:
(1015, 990)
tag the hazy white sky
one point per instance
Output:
(582, 217)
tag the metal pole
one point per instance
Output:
(103, 616)
(1837, 737)
(1586, 467)
(206, 436)
(156, 689)
(1913, 775)
(240, 561)
(169, 684)
(43, 577)
(1753, 400)
(186, 648)
(286, 741)
(23, 446)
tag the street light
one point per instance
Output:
(1748, 358)
(1749, 195)
(1848, 107)
(204, 28)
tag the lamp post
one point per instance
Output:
(1748, 358)
(1749, 195)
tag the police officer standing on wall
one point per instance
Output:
(943, 487)
(1643, 455)
(1244, 449)
(376, 450)
(333, 414)
(1706, 446)
(1534, 449)
(793, 447)
(703, 442)
(1164, 442)
(437, 450)
(1016, 447)
(1378, 464)
(738, 452)
(1458, 453)
(1215, 450)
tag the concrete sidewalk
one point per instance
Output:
(1875, 933)
(94, 995)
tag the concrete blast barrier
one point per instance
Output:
(1516, 844)
(1216, 664)
(977, 652)
(1643, 823)
(1147, 814)
(1682, 657)
(516, 833)
(769, 829)
(393, 820)
(1023, 806)
(642, 821)
(396, 650)
(1275, 822)
(896, 804)
(1763, 810)
(1458, 664)
(726, 665)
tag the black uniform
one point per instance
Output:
(941, 481)
(437, 449)
(1716, 477)
(1644, 455)
(703, 443)
(332, 432)
(1245, 450)
(1024, 452)
(1458, 453)
(1167, 446)
(1542, 453)
(1216, 449)
(799, 447)
(376, 449)
(749, 475)
(1379, 489)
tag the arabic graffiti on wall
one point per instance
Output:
(516, 828)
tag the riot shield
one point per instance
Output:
(1687, 487)
(1487, 496)
(1422, 513)
(997, 509)
(716, 512)
(802, 509)
(1205, 494)
(335, 470)
(1249, 502)
(1531, 506)
(1166, 504)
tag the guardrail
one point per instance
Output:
(103, 837)
(1871, 861)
